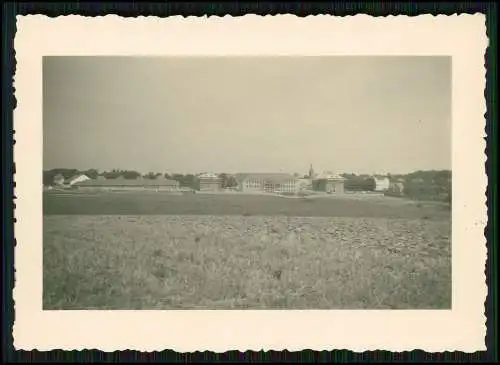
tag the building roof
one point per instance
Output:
(328, 175)
(208, 175)
(277, 177)
(74, 177)
(120, 181)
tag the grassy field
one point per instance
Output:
(144, 203)
(152, 252)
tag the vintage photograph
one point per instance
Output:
(247, 182)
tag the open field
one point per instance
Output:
(140, 203)
(154, 261)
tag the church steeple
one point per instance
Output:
(311, 171)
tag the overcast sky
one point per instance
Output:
(248, 114)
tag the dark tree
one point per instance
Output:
(114, 174)
(231, 182)
(48, 178)
(92, 173)
(227, 181)
(223, 177)
(129, 175)
(189, 181)
(66, 173)
(429, 185)
(151, 175)
(359, 183)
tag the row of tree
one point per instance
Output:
(359, 183)
(49, 175)
(433, 184)
(185, 180)
(429, 185)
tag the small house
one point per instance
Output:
(75, 179)
(396, 188)
(381, 183)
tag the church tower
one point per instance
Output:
(311, 172)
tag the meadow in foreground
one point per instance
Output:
(245, 262)
(151, 203)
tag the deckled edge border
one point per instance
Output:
(490, 74)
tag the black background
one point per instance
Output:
(133, 9)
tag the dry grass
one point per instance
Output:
(235, 262)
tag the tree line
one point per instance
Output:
(429, 185)
(435, 180)
(185, 180)
(426, 185)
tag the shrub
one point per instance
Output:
(358, 183)
(427, 191)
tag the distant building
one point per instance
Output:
(76, 179)
(396, 188)
(329, 183)
(120, 183)
(209, 182)
(267, 182)
(381, 183)
(58, 179)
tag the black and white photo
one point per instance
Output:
(247, 182)
(195, 184)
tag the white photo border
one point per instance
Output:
(463, 37)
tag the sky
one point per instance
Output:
(248, 114)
